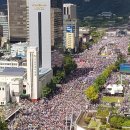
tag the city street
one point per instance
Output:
(52, 114)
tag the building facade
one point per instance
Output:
(32, 72)
(71, 34)
(4, 24)
(40, 34)
(70, 27)
(69, 11)
(17, 19)
(56, 28)
(57, 23)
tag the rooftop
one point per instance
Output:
(12, 71)
(43, 71)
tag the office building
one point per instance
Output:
(71, 34)
(40, 34)
(17, 19)
(19, 49)
(56, 28)
(32, 72)
(57, 4)
(70, 27)
(69, 11)
(4, 24)
(57, 24)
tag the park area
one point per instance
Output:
(111, 99)
(105, 118)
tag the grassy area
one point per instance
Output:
(93, 124)
(112, 99)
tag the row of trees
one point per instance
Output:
(59, 75)
(92, 92)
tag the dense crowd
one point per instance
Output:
(52, 114)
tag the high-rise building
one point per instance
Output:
(4, 24)
(69, 11)
(57, 23)
(32, 72)
(40, 30)
(57, 4)
(71, 28)
(56, 28)
(17, 19)
(71, 34)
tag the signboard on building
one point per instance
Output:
(125, 68)
(70, 29)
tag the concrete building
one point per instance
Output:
(4, 93)
(71, 34)
(4, 24)
(70, 27)
(12, 63)
(57, 23)
(13, 77)
(19, 49)
(56, 28)
(17, 19)
(32, 72)
(69, 11)
(40, 34)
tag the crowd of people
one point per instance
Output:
(53, 114)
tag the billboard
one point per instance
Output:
(70, 29)
(125, 68)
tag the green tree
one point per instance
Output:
(117, 121)
(3, 125)
(46, 90)
(60, 75)
(91, 93)
(129, 49)
(69, 64)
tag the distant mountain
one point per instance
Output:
(94, 7)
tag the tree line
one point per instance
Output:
(93, 91)
(59, 75)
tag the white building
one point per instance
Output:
(12, 62)
(114, 89)
(69, 11)
(32, 72)
(14, 78)
(40, 30)
(19, 49)
(36, 78)
(4, 93)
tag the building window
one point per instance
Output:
(64, 10)
(24, 91)
(40, 38)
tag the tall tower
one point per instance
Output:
(33, 72)
(69, 11)
(40, 30)
(57, 24)
(17, 20)
(71, 28)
